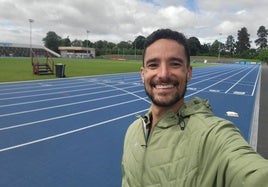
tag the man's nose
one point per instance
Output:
(163, 71)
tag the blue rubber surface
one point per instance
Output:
(70, 132)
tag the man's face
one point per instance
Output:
(165, 73)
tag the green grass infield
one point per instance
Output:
(20, 69)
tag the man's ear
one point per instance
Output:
(142, 74)
(189, 73)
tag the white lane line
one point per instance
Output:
(63, 97)
(53, 85)
(213, 84)
(69, 90)
(69, 132)
(237, 82)
(68, 115)
(50, 93)
(210, 73)
(256, 81)
(64, 105)
(212, 78)
(123, 90)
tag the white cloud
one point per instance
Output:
(177, 17)
(123, 20)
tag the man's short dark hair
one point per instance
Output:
(167, 34)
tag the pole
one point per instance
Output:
(87, 42)
(219, 55)
(31, 55)
(135, 51)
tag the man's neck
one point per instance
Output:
(158, 112)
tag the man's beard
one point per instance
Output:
(170, 102)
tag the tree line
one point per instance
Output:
(238, 48)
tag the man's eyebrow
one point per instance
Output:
(151, 60)
(176, 59)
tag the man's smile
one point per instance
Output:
(164, 86)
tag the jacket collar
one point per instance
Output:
(170, 118)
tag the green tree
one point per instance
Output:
(87, 43)
(101, 47)
(214, 48)
(65, 42)
(230, 45)
(77, 43)
(111, 45)
(263, 55)
(124, 45)
(243, 43)
(110, 48)
(52, 41)
(138, 43)
(194, 46)
(204, 49)
(262, 40)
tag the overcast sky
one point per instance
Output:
(123, 20)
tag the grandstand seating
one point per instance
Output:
(19, 50)
(42, 63)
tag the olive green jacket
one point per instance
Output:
(191, 148)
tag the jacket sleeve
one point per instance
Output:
(233, 162)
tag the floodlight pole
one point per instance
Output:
(31, 56)
(135, 51)
(87, 41)
(219, 55)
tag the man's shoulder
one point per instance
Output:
(135, 125)
(209, 122)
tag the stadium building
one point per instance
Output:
(77, 52)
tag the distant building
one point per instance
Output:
(77, 52)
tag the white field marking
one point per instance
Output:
(69, 132)
(63, 97)
(60, 81)
(239, 93)
(192, 89)
(208, 74)
(130, 93)
(256, 81)
(214, 91)
(45, 85)
(232, 114)
(69, 78)
(52, 99)
(64, 105)
(240, 80)
(52, 93)
(68, 115)
(213, 84)
(88, 87)
(218, 75)
(55, 87)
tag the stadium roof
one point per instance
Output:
(6, 44)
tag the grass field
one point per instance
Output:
(20, 69)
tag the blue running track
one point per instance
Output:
(70, 132)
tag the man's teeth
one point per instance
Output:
(164, 86)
